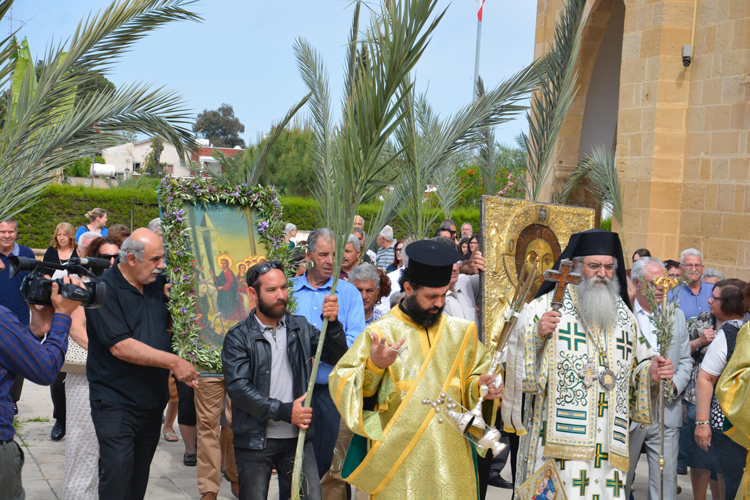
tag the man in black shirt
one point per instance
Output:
(128, 365)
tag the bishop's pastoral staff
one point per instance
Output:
(402, 448)
(586, 371)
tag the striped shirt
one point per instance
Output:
(21, 353)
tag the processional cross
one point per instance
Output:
(562, 277)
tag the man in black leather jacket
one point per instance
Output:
(267, 363)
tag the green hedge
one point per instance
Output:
(61, 203)
(64, 203)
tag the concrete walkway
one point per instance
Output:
(170, 479)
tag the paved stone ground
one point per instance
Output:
(170, 479)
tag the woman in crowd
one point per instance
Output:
(398, 260)
(97, 221)
(81, 468)
(62, 248)
(463, 247)
(474, 244)
(728, 307)
(290, 231)
(63, 244)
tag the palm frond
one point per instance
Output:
(574, 182)
(606, 183)
(46, 131)
(552, 100)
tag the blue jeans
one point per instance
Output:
(325, 424)
(254, 470)
(686, 437)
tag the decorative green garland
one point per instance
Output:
(174, 195)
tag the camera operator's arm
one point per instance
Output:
(22, 354)
(138, 353)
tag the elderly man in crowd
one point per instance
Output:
(466, 230)
(84, 240)
(644, 271)
(694, 294)
(386, 251)
(130, 357)
(370, 256)
(359, 222)
(310, 289)
(10, 295)
(712, 276)
(352, 253)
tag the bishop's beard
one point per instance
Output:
(423, 317)
(597, 301)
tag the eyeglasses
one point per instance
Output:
(262, 269)
(692, 266)
(594, 266)
(714, 298)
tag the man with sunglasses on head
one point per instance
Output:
(267, 362)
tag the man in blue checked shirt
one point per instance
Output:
(22, 354)
(309, 291)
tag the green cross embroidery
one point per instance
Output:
(576, 337)
(543, 433)
(600, 455)
(564, 335)
(615, 484)
(595, 497)
(582, 482)
(603, 403)
(642, 340)
(623, 343)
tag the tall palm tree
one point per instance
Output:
(44, 130)
(551, 102)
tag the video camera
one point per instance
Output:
(37, 289)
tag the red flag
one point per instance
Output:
(481, 8)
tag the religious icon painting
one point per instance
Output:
(544, 484)
(226, 244)
(213, 234)
(516, 233)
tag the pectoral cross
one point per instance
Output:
(588, 373)
(562, 277)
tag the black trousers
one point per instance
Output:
(254, 469)
(325, 424)
(57, 391)
(127, 442)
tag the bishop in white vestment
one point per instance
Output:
(586, 371)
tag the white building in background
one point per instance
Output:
(130, 159)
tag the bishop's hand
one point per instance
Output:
(382, 353)
(548, 323)
(493, 392)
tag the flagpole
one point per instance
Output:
(476, 61)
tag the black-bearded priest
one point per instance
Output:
(586, 371)
(400, 449)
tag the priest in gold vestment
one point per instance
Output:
(402, 448)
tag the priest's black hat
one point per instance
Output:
(430, 263)
(593, 242)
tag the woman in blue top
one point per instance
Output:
(98, 219)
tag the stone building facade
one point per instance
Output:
(680, 133)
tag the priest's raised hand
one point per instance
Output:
(383, 353)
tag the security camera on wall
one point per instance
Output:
(687, 55)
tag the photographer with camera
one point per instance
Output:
(23, 355)
(129, 360)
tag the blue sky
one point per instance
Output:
(242, 53)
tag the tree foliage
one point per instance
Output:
(151, 163)
(220, 127)
(81, 167)
(45, 129)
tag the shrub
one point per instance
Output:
(606, 224)
(64, 203)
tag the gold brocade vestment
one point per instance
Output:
(733, 393)
(409, 455)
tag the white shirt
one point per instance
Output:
(715, 359)
(385, 303)
(645, 325)
(461, 302)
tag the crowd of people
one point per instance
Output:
(117, 387)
